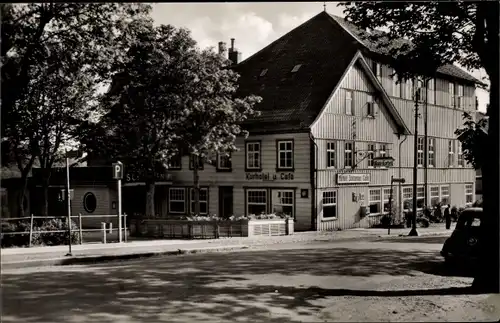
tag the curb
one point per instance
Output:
(87, 260)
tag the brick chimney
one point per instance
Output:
(222, 48)
(234, 55)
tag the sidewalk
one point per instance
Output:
(91, 253)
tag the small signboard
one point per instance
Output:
(383, 162)
(398, 180)
(353, 178)
(117, 170)
(62, 194)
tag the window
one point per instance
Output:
(89, 202)
(420, 197)
(264, 71)
(407, 197)
(175, 162)
(330, 155)
(377, 70)
(348, 155)
(431, 156)
(296, 68)
(382, 152)
(469, 194)
(451, 154)
(420, 151)
(200, 161)
(283, 202)
(460, 96)
(418, 90)
(252, 155)
(387, 196)
(451, 94)
(375, 201)
(203, 201)
(431, 92)
(370, 106)
(445, 194)
(329, 204)
(176, 200)
(396, 87)
(370, 155)
(285, 154)
(460, 155)
(256, 201)
(434, 195)
(409, 89)
(348, 102)
(224, 161)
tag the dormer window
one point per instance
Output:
(296, 68)
(263, 72)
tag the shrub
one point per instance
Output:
(214, 217)
(15, 240)
(55, 238)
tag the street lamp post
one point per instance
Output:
(413, 231)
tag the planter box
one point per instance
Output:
(183, 229)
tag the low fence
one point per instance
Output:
(185, 229)
(105, 230)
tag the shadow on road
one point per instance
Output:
(217, 287)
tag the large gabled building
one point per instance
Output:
(330, 108)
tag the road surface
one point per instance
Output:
(398, 280)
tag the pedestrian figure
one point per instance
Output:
(447, 217)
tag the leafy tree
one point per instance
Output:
(473, 136)
(437, 33)
(212, 115)
(54, 56)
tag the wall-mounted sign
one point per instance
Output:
(133, 177)
(269, 176)
(383, 162)
(353, 178)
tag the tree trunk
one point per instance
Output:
(45, 188)
(22, 195)
(196, 185)
(487, 277)
(150, 198)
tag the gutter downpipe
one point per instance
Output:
(400, 193)
(314, 184)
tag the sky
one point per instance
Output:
(253, 25)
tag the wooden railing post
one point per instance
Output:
(103, 228)
(80, 227)
(31, 229)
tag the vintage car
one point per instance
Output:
(463, 244)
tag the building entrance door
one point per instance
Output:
(225, 201)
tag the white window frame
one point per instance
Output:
(382, 151)
(370, 106)
(451, 153)
(431, 92)
(396, 87)
(191, 200)
(349, 153)
(409, 89)
(280, 200)
(253, 203)
(374, 201)
(433, 195)
(220, 159)
(460, 155)
(170, 200)
(420, 151)
(176, 158)
(451, 94)
(331, 155)
(442, 195)
(329, 198)
(471, 194)
(285, 151)
(407, 195)
(460, 96)
(253, 153)
(431, 153)
(349, 97)
(420, 196)
(370, 155)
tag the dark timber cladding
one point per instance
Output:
(303, 78)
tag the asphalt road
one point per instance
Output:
(396, 280)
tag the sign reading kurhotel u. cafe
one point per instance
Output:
(266, 177)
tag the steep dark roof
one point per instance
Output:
(360, 34)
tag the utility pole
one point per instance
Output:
(426, 143)
(413, 231)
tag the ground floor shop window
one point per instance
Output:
(445, 195)
(434, 195)
(256, 201)
(375, 201)
(469, 194)
(420, 197)
(329, 203)
(283, 201)
(407, 198)
(176, 200)
(387, 197)
(203, 201)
